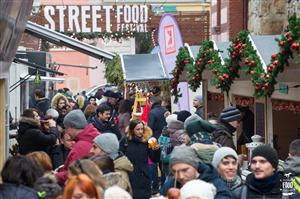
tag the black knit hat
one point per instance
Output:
(267, 152)
(230, 114)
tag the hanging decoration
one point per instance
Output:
(218, 97)
(183, 60)
(37, 79)
(117, 36)
(244, 101)
(279, 105)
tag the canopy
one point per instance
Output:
(64, 40)
(143, 67)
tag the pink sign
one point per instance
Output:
(170, 40)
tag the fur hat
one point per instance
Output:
(184, 154)
(75, 119)
(230, 114)
(222, 153)
(171, 118)
(198, 188)
(267, 152)
(108, 142)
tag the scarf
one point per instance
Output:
(234, 183)
(264, 185)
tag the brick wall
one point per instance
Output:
(235, 18)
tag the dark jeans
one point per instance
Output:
(154, 178)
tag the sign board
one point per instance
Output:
(170, 40)
(94, 18)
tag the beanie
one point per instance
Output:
(191, 119)
(192, 189)
(115, 192)
(75, 119)
(267, 152)
(205, 152)
(175, 125)
(184, 154)
(199, 98)
(222, 153)
(170, 118)
(108, 142)
(230, 114)
(182, 115)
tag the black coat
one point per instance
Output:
(105, 127)
(13, 191)
(30, 138)
(138, 152)
(43, 105)
(58, 155)
(156, 119)
(248, 191)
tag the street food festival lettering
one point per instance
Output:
(126, 18)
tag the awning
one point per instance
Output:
(265, 46)
(64, 40)
(143, 67)
(45, 78)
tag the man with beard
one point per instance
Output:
(264, 181)
(101, 121)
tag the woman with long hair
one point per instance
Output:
(18, 175)
(135, 146)
(81, 186)
(30, 136)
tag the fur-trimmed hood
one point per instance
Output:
(147, 133)
(30, 121)
(55, 100)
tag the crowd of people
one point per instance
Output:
(77, 148)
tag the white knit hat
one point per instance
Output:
(198, 188)
(116, 192)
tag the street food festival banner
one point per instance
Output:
(96, 18)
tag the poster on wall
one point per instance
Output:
(170, 40)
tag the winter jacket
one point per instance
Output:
(58, 155)
(249, 191)
(224, 135)
(156, 119)
(113, 178)
(207, 174)
(200, 112)
(138, 152)
(30, 137)
(82, 147)
(43, 105)
(292, 169)
(124, 167)
(14, 191)
(105, 127)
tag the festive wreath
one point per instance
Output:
(183, 60)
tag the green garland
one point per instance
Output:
(114, 72)
(289, 44)
(102, 35)
(183, 60)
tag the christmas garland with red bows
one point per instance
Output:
(183, 60)
(240, 51)
(289, 44)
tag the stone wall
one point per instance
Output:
(270, 16)
(266, 16)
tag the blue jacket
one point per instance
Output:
(207, 174)
(14, 191)
(156, 119)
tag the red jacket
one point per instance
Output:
(82, 147)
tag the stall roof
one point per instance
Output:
(265, 46)
(194, 50)
(143, 67)
(64, 40)
(223, 47)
